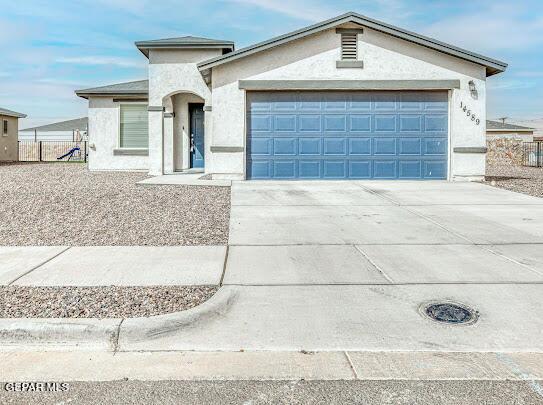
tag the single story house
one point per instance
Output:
(347, 98)
(9, 121)
(497, 129)
(71, 130)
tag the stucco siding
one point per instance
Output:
(384, 57)
(170, 73)
(8, 143)
(103, 133)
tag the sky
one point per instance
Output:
(50, 48)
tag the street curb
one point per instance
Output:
(52, 332)
(107, 334)
(134, 330)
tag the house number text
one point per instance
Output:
(473, 117)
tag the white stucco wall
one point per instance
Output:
(103, 133)
(385, 58)
(172, 72)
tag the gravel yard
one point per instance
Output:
(65, 204)
(99, 302)
(527, 180)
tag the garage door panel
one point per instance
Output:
(285, 169)
(260, 123)
(410, 123)
(310, 169)
(385, 123)
(285, 123)
(335, 123)
(384, 101)
(384, 146)
(384, 169)
(435, 146)
(310, 123)
(435, 169)
(261, 146)
(410, 169)
(360, 169)
(360, 146)
(339, 135)
(259, 169)
(335, 146)
(285, 146)
(335, 101)
(411, 101)
(310, 146)
(335, 169)
(360, 102)
(360, 123)
(435, 123)
(410, 146)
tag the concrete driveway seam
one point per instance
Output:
(378, 268)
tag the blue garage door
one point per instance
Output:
(347, 135)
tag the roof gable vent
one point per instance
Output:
(349, 45)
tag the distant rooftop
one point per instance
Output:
(70, 125)
(501, 126)
(184, 42)
(138, 88)
(9, 113)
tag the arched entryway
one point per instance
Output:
(184, 133)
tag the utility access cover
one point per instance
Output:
(449, 312)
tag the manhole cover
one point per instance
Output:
(449, 312)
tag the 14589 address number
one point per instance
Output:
(468, 112)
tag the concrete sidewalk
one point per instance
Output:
(156, 366)
(112, 265)
(183, 179)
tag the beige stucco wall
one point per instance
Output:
(8, 144)
(103, 134)
(314, 58)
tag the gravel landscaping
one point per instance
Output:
(99, 302)
(522, 179)
(65, 204)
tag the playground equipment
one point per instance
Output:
(75, 151)
(70, 154)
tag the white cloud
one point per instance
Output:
(303, 10)
(103, 60)
(509, 85)
(500, 28)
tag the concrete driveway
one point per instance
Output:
(347, 265)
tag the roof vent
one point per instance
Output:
(349, 45)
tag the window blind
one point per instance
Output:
(134, 126)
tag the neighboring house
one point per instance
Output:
(9, 121)
(58, 131)
(496, 129)
(350, 97)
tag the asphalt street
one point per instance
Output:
(287, 392)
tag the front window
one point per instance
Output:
(5, 128)
(134, 126)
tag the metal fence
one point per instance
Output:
(52, 151)
(533, 154)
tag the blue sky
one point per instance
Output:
(49, 48)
